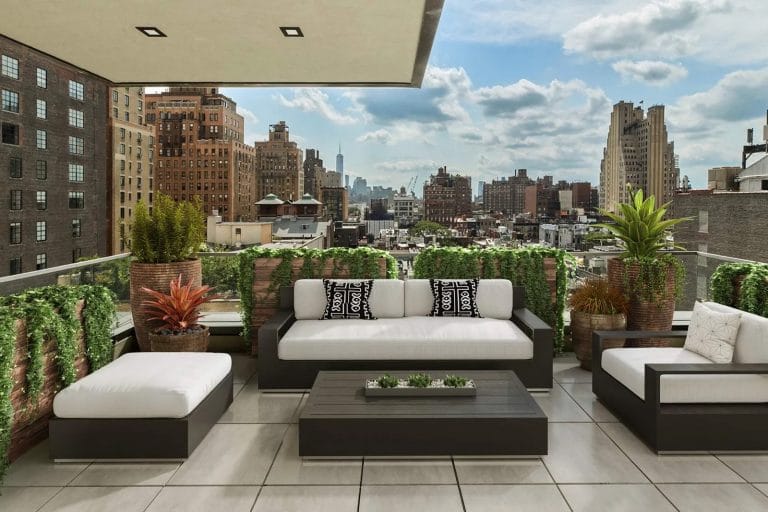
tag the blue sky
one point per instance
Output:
(521, 84)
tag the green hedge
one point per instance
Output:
(524, 267)
(50, 313)
(361, 263)
(753, 292)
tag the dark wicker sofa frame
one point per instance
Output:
(278, 374)
(680, 427)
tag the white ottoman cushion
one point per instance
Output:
(144, 385)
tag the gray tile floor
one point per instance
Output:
(249, 462)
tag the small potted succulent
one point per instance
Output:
(595, 306)
(177, 314)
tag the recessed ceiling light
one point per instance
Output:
(151, 31)
(291, 31)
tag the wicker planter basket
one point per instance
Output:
(582, 326)
(644, 315)
(157, 276)
(196, 341)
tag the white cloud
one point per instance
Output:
(249, 116)
(653, 72)
(382, 136)
(315, 100)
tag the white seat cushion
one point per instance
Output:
(752, 339)
(494, 298)
(144, 385)
(405, 338)
(627, 365)
(387, 298)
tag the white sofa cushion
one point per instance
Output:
(752, 340)
(494, 298)
(627, 365)
(386, 300)
(712, 334)
(415, 338)
(144, 385)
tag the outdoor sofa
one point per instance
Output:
(294, 344)
(677, 400)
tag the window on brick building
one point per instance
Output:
(15, 200)
(15, 266)
(41, 109)
(14, 167)
(41, 199)
(9, 101)
(76, 200)
(41, 261)
(76, 90)
(9, 66)
(41, 231)
(42, 78)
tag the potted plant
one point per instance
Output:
(595, 306)
(177, 314)
(163, 243)
(650, 278)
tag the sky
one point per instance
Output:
(520, 84)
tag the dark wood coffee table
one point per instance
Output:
(339, 420)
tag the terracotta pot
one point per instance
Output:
(644, 315)
(157, 276)
(196, 341)
(582, 326)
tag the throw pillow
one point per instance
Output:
(348, 300)
(454, 298)
(712, 334)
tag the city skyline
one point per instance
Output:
(489, 106)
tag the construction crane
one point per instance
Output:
(412, 184)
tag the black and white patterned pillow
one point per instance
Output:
(454, 298)
(347, 300)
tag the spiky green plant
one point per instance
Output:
(419, 380)
(641, 226)
(173, 231)
(455, 381)
(387, 381)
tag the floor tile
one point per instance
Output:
(763, 488)
(243, 367)
(232, 455)
(290, 469)
(313, 498)
(297, 412)
(25, 499)
(205, 499)
(35, 468)
(619, 497)
(669, 468)
(559, 406)
(753, 468)
(582, 393)
(423, 498)
(501, 471)
(714, 497)
(521, 498)
(408, 471)
(99, 499)
(582, 453)
(130, 473)
(253, 406)
(237, 387)
(573, 374)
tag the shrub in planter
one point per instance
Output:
(595, 306)
(163, 244)
(649, 278)
(177, 313)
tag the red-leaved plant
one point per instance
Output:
(178, 310)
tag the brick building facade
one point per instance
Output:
(447, 197)
(53, 161)
(278, 165)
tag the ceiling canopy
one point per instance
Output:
(233, 42)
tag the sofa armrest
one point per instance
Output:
(271, 332)
(653, 373)
(598, 337)
(542, 336)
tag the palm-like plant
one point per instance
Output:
(641, 226)
(179, 310)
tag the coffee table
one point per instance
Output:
(339, 420)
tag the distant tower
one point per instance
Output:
(340, 164)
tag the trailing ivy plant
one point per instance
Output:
(360, 263)
(7, 346)
(722, 281)
(753, 296)
(524, 267)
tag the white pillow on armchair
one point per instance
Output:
(712, 334)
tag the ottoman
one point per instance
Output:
(149, 405)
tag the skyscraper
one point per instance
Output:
(199, 150)
(313, 171)
(637, 152)
(340, 164)
(53, 158)
(278, 165)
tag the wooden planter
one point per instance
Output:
(644, 315)
(582, 326)
(190, 342)
(157, 276)
(30, 418)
